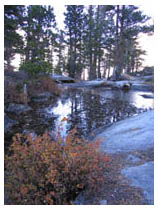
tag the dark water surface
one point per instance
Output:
(88, 109)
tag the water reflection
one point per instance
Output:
(90, 110)
(133, 97)
(140, 102)
(61, 111)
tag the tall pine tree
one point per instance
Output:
(60, 54)
(74, 22)
(13, 41)
(130, 22)
(40, 37)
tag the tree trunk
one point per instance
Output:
(91, 66)
(94, 65)
(119, 56)
(99, 61)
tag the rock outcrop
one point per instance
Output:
(8, 123)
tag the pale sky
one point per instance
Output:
(59, 10)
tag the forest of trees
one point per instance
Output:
(96, 38)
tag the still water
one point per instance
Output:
(93, 108)
(87, 109)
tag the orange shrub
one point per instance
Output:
(45, 171)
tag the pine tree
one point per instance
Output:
(40, 21)
(89, 41)
(13, 41)
(98, 32)
(135, 58)
(130, 22)
(40, 37)
(74, 21)
(60, 50)
(104, 33)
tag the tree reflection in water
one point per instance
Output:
(89, 111)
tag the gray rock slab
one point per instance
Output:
(134, 133)
(142, 176)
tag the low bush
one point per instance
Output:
(14, 91)
(47, 171)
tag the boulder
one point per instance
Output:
(126, 87)
(18, 108)
(103, 202)
(31, 133)
(8, 123)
